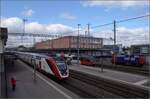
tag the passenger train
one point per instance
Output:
(52, 65)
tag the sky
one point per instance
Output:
(61, 16)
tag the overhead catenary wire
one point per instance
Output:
(123, 20)
(102, 25)
(138, 17)
(75, 31)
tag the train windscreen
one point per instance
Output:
(61, 65)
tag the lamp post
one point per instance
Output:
(24, 22)
(114, 32)
(114, 42)
(78, 43)
(88, 30)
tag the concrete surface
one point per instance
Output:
(27, 88)
(128, 77)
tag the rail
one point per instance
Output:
(124, 89)
(130, 69)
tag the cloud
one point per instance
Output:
(67, 16)
(126, 36)
(121, 3)
(28, 12)
(35, 27)
(129, 36)
(59, 28)
(15, 25)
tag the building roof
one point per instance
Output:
(67, 37)
(139, 45)
(82, 37)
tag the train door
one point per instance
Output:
(33, 61)
(38, 64)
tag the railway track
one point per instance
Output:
(89, 90)
(83, 89)
(122, 89)
(136, 70)
(87, 86)
(71, 84)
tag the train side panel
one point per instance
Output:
(133, 60)
(45, 67)
(56, 67)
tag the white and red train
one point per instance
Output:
(52, 65)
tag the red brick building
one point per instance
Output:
(71, 42)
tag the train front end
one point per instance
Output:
(62, 67)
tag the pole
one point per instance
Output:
(52, 43)
(114, 41)
(2, 77)
(86, 40)
(85, 33)
(101, 62)
(34, 71)
(88, 29)
(114, 32)
(2, 68)
(70, 46)
(78, 44)
(49, 43)
(24, 22)
(34, 40)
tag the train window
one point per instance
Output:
(87, 59)
(33, 61)
(60, 62)
(74, 58)
(61, 66)
(37, 57)
(57, 59)
(144, 50)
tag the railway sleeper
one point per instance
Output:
(121, 88)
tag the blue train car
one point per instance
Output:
(120, 59)
(134, 60)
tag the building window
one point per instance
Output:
(144, 50)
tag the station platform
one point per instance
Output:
(27, 87)
(112, 74)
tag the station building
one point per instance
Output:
(68, 44)
(71, 42)
(115, 48)
(143, 49)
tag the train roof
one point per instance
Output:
(35, 54)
